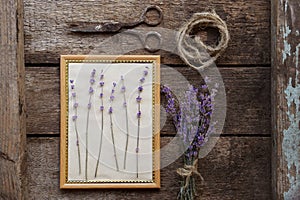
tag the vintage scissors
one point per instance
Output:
(113, 27)
(145, 37)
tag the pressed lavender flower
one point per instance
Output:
(101, 83)
(145, 72)
(74, 117)
(92, 81)
(93, 73)
(89, 106)
(101, 76)
(140, 88)
(123, 89)
(142, 80)
(91, 90)
(136, 150)
(139, 113)
(110, 110)
(139, 99)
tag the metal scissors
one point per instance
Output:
(113, 26)
(145, 39)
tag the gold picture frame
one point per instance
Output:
(110, 110)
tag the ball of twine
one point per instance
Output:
(195, 52)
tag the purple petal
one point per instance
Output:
(74, 117)
(139, 114)
(91, 90)
(139, 99)
(123, 89)
(101, 108)
(140, 88)
(75, 105)
(145, 73)
(74, 94)
(72, 87)
(110, 110)
(71, 81)
(114, 84)
(101, 84)
(92, 81)
(89, 105)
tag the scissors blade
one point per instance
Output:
(94, 27)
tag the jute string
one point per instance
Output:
(187, 172)
(193, 51)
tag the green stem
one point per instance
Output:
(86, 139)
(113, 141)
(101, 136)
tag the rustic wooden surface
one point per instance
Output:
(12, 101)
(47, 32)
(237, 168)
(285, 95)
(247, 90)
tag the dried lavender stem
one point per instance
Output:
(138, 143)
(86, 138)
(127, 129)
(101, 136)
(113, 141)
(77, 144)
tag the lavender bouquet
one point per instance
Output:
(191, 118)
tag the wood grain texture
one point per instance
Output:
(285, 96)
(12, 101)
(248, 98)
(47, 31)
(237, 168)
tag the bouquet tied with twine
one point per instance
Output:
(192, 116)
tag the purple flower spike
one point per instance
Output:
(136, 150)
(142, 80)
(123, 89)
(101, 84)
(101, 108)
(74, 117)
(91, 90)
(114, 84)
(71, 81)
(73, 94)
(140, 88)
(92, 81)
(72, 87)
(110, 110)
(139, 99)
(145, 73)
(101, 95)
(89, 105)
(101, 76)
(139, 114)
(112, 97)
(75, 105)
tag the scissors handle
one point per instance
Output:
(146, 20)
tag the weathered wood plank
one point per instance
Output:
(12, 101)
(248, 98)
(47, 22)
(237, 168)
(285, 96)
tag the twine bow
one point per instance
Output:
(188, 171)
